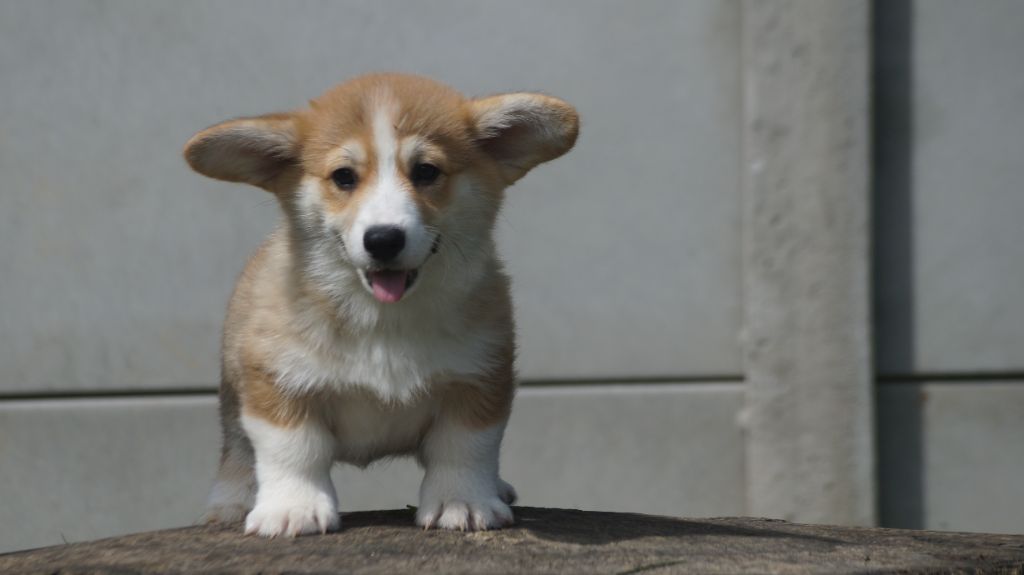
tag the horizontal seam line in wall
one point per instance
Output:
(681, 379)
(107, 393)
(887, 379)
(950, 377)
(211, 390)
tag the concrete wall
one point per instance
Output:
(949, 263)
(125, 258)
(807, 350)
(950, 455)
(78, 469)
(117, 261)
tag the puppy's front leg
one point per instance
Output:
(461, 488)
(295, 495)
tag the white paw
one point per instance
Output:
(479, 515)
(291, 517)
(467, 502)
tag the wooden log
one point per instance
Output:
(542, 541)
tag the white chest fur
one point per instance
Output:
(395, 364)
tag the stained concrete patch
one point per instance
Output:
(542, 541)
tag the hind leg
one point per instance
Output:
(234, 489)
(506, 492)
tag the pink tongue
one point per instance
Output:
(388, 286)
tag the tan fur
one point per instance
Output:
(487, 400)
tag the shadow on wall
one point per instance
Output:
(899, 413)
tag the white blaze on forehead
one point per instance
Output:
(385, 141)
(388, 200)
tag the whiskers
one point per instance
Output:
(460, 242)
(438, 239)
(457, 248)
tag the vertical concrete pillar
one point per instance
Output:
(809, 414)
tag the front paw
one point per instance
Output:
(291, 516)
(463, 503)
(478, 515)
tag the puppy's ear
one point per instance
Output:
(522, 130)
(250, 150)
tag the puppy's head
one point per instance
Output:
(382, 172)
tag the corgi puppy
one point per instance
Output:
(376, 321)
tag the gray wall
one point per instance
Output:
(125, 258)
(116, 261)
(949, 263)
(950, 196)
(77, 469)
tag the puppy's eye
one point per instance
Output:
(344, 178)
(425, 174)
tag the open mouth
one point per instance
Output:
(389, 286)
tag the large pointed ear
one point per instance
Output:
(250, 150)
(522, 130)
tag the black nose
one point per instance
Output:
(384, 242)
